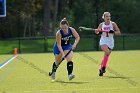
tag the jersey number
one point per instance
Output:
(66, 41)
(106, 34)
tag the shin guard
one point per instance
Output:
(69, 67)
(54, 67)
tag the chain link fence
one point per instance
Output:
(87, 43)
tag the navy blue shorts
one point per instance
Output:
(56, 50)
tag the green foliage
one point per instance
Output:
(17, 12)
(84, 13)
(78, 12)
(124, 13)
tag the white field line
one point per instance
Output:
(7, 61)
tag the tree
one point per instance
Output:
(55, 16)
(46, 19)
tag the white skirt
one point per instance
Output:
(109, 41)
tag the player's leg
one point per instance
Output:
(58, 57)
(56, 63)
(69, 64)
(107, 52)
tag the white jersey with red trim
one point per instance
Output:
(106, 37)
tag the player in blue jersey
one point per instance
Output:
(63, 45)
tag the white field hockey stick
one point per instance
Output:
(85, 28)
(50, 73)
(90, 29)
(97, 31)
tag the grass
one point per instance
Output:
(28, 74)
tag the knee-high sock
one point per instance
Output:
(70, 67)
(104, 61)
(54, 67)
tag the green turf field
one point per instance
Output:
(28, 74)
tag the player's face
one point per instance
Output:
(64, 27)
(107, 17)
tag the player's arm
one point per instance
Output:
(98, 29)
(58, 40)
(116, 29)
(77, 37)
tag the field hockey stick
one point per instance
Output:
(65, 56)
(50, 73)
(90, 29)
(85, 28)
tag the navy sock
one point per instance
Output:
(69, 67)
(54, 67)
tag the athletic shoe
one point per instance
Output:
(53, 75)
(103, 69)
(71, 76)
(100, 72)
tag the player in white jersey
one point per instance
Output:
(109, 28)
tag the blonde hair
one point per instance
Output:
(105, 13)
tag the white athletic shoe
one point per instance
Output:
(71, 76)
(53, 76)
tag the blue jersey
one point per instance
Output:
(65, 42)
(65, 38)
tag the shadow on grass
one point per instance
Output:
(121, 77)
(69, 82)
